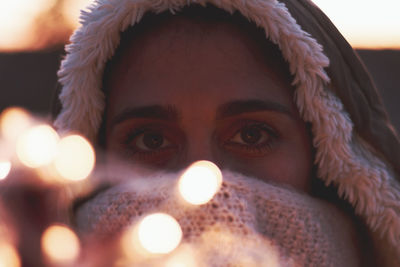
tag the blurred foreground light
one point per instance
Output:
(183, 257)
(37, 146)
(60, 244)
(200, 182)
(159, 233)
(8, 256)
(5, 168)
(13, 122)
(75, 159)
(17, 21)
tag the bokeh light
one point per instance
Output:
(17, 18)
(37, 146)
(13, 122)
(8, 256)
(183, 257)
(75, 158)
(200, 182)
(159, 233)
(5, 168)
(60, 244)
(72, 8)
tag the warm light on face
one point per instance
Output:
(8, 256)
(13, 122)
(159, 233)
(60, 244)
(37, 146)
(5, 168)
(75, 158)
(200, 182)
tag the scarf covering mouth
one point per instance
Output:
(247, 223)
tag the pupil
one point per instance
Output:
(251, 135)
(153, 141)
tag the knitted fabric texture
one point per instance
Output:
(247, 223)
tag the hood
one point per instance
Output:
(357, 149)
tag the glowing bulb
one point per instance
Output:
(159, 233)
(75, 159)
(60, 244)
(5, 167)
(13, 122)
(200, 182)
(9, 256)
(37, 146)
(184, 257)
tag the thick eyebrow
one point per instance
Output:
(253, 105)
(168, 113)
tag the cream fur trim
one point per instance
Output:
(343, 158)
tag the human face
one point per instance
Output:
(187, 91)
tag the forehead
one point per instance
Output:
(177, 58)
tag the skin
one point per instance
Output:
(188, 91)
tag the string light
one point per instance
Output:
(60, 244)
(75, 158)
(183, 257)
(200, 182)
(13, 122)
(5, 168)
(8, 256)
(159, 233)
(37, 146)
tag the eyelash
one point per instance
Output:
(262, 148)
(226, 143)
(133, 134)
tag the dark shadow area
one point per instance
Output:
(29, 79)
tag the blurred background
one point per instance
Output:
(33, 34)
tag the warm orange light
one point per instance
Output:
(365, 23)
(75, 158)
(183, 257)
(60, 244)
(159, 233)
(200, 182)
(37, 146)
(8, 256)
(72, 8)
(13, 122)
(5, 168)
(17, 21)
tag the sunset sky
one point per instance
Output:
(364, 23)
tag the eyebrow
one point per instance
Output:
(230, 109)
(253, 105)
(168, 113)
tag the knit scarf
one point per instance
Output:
(249, 222)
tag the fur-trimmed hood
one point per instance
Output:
(357, 148)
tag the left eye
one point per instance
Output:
(151, 141)
(251, 135)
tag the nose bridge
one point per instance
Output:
(200, 146)
(200, 150)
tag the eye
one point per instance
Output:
(251, 135)
(150, 141)
(251, 139)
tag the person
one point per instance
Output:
(267, 90)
